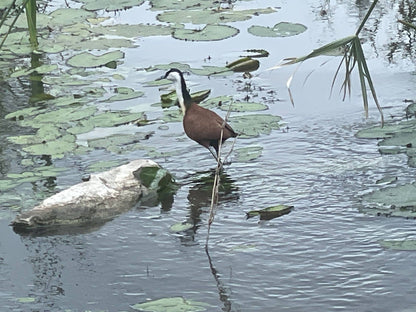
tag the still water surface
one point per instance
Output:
(323, 256)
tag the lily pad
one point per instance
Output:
(57, 148)
(171, 304)
(243, 107)
(245, 64)
(283, 29)
(207, 33)
(86, 59)
(161, 5)
(181, 227)
(249, 126)
(270, 212)
(109, 5)
(171, 99)
(246, 154)
(154, 177)
(398, 201)
(210, 17)
(133, 31)
(407, 245)
(123, 93)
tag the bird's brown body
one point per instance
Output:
(204, 126)
(200, 124)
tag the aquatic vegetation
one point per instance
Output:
(282, 29)
(253, 125)
(86, 59)
(397, 201)
(249, 153)
(353, 57)
(408, 244)
(270, 212)
(171, 304)
(108, 5)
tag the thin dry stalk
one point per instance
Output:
(216, 184)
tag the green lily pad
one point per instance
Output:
(397, 201)
(161, 5)
(270, 212)
(109, 5)
(103, 165)
(207, 33)
(246, 154)
(57, 148)
(123, 93)
(254, 125)
(212, 71)
(283, 29)
(386, 131)
(86, 59)
(67, 16)
(133, 31)
(61, 115)
(154, 177)
(243, 107)
(407, 245)
(210, 17)
(171, 304)
(116, 143)
(181, 227)
(26, 299)
(170, 99)
(165, 67)
(245, 64)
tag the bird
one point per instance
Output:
(200, 124)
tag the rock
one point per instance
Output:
(102, 197)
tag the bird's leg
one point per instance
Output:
(216, 157)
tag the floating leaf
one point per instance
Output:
(26, 299)
(407, 245)
(398, 201)
(133, 31)
(254, 125)
(57, 148)
(86, 59)
(109, 5)
(283, 29)
(246, 154)
(207, 33)
(210, 17)
(171, 304)
(154, 177)
(123, 93)
(245, 64)
(270, 212)
(181, 227)
(243, 107)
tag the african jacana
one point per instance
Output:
(200, 124)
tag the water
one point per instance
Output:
(323, 256)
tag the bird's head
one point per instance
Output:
(176, 76)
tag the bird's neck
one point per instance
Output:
(182, 93)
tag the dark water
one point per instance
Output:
(323, 256)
